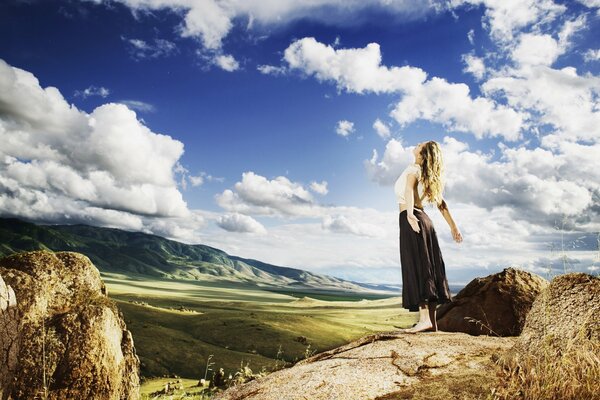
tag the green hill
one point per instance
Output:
(137, 253)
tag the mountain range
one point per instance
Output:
(141, 254)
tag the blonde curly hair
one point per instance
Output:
(432, 175)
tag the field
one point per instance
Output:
(178, 325)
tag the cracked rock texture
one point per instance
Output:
(65, 339)
(449, 365)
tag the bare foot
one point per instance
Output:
(420, 327)
(403, 328)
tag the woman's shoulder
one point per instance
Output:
(413, 168)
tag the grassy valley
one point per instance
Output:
(176, 325)
(187, 305)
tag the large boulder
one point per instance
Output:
(9, 332)
(557, 356)
(69, 340)
(494, 305)
(567, 314)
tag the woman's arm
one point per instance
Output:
(443, 207)
(411, 180)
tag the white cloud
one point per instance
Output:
(92, 91)
(382, 129)
(474, 65)
(240, 223)
(344, 128)
(256, 194)
(592, 55)
(590, 3)
(196, 180)
(436, 100)
(561, 98)
(543, 49)
(342, 224)
(141, 49)
(138, 105)
(60, 163)
(535, 185)
(320, 188)
(451, 105)
(354, 70)
(210, 21)
(471, 36)
(271, 70)
(394, 159)
(282, 198)
(226, 62)
(504, 18)
(536, 49)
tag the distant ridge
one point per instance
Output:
(136, 253)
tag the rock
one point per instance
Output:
(558, 353)
(494, 305)
(386, 366)
(86, 351)
(566, 314)
(9, 333)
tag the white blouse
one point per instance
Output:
(400, 185)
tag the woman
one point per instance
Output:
(424, 283)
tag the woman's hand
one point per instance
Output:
(413, 221)
(456, 235)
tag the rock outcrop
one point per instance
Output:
(69, 340)
(9, 332)
(566, 314)
(557, 355)
(386, 366)
(497, 304)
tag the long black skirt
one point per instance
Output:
(423, 270)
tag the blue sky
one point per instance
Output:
(220, 122)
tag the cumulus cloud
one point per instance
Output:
(320, 188)
(534, 49)
(382, 129)
(282, 198)
(590, 3)
(240, 223)
(256, 194)
(504, 18)
(356, 70)
(559, 98)
(59, 163)
(395, 158)
(474, 65)
(92, 91)
(592, 55)
(226, 62)
(451, 105)
(543, 49)
(344, 128)
(536, 185)
(360, 71)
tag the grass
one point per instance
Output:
(552, 373)
(239, 328)
(553, 368)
